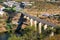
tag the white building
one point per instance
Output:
(1, 10)
(10, 3)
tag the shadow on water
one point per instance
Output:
(21, 20)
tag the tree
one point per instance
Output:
(2, 1)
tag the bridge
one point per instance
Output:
(39, 22)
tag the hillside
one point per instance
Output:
(56, 37)
(39, 8)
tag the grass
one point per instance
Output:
(56, 37)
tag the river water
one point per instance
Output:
(4, 36)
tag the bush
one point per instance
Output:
(26, 34)
(57, 30)
(29, 33)
(56, 37)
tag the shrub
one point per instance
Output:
(26, 34)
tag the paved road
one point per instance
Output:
(40, 20)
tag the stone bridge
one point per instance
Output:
(39, 22)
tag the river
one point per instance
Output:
(4, 36)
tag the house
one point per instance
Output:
(10, 3)
(28, 3)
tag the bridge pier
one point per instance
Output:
(35, 23)
(52, 33)
(40, 25)
(28, 18)
(31, 22)
(45, 26)
(25, 16)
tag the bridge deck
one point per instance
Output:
(40, 20)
